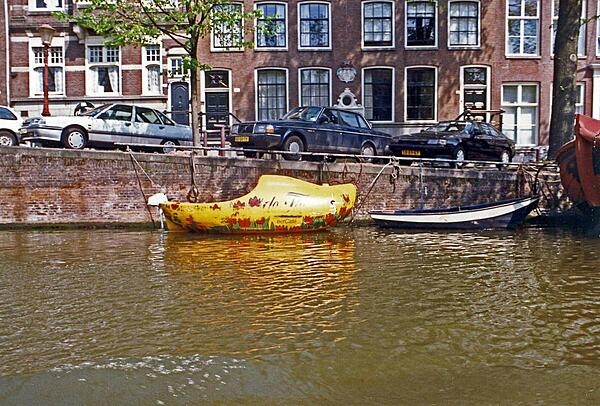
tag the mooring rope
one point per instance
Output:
(137, 175)
(394, 162)
(193, 194)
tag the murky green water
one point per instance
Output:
(357, 316)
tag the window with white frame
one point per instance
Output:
(421, 93)
(314, 26)
(463, 26)
(271, 93)
(378, 97)
(152, 80)
(176, 68)
(228, 32)
(315, 87)
(520, 105)
(56, 69)
(523, 20)
(46, 5)
(272, 26)
(378, 24)
(582, 26)
(104, 76)
(579, 98)
(598, 30)
(421, 23)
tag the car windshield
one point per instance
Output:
(95, 110)
(447, 126)
(303, 114)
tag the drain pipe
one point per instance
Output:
(7, 57)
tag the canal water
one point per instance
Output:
(356, 316)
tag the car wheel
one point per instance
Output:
(293, 145)
(7, 139)
(504, 159)
(74, 138)
(368, 151)
(459, 157)
(167, 146)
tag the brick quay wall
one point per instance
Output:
(56, 187)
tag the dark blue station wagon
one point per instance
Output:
(325, 130)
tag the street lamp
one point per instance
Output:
(46, 33)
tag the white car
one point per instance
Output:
(108, 126)
(10, 122)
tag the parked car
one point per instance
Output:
(458, 140)
(312, 129)
(10, 122)
(106, 126)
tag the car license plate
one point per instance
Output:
(411, 152)
(242, 138)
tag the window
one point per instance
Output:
(522, 27)
(146, 115)
(463, 28)
(579, 98)
(119, 112)
(314, 26)
(176, 69)
(42, 5)
(6, 114)
(55, 71)
(420, 93)
(314, 87)
(420, 23)
(104, 76)
(582, 31)
(274, 22)
(152, 69)
(598, 31)
(378, 93)
(520, 103)
(228, 31)
(271, 94)
(378, 24)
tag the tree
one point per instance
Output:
(564, 76)
(186, 22)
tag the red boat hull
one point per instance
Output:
(579, 162)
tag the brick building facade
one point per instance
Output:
(405, 64)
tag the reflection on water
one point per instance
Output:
(353, 316)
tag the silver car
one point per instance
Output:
(10, 122)
(108, 126)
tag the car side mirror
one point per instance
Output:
(323, 120)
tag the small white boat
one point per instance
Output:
(509, 213)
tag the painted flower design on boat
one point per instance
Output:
(254, 202)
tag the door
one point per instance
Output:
(180, 103)
(217, 109)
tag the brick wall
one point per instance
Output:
(51, 186)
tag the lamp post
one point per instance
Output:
(46, 33)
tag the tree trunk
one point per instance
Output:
(564, 79)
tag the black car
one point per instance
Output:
(312, 129)
(458, 140)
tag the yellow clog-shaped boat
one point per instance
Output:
(278, 204)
